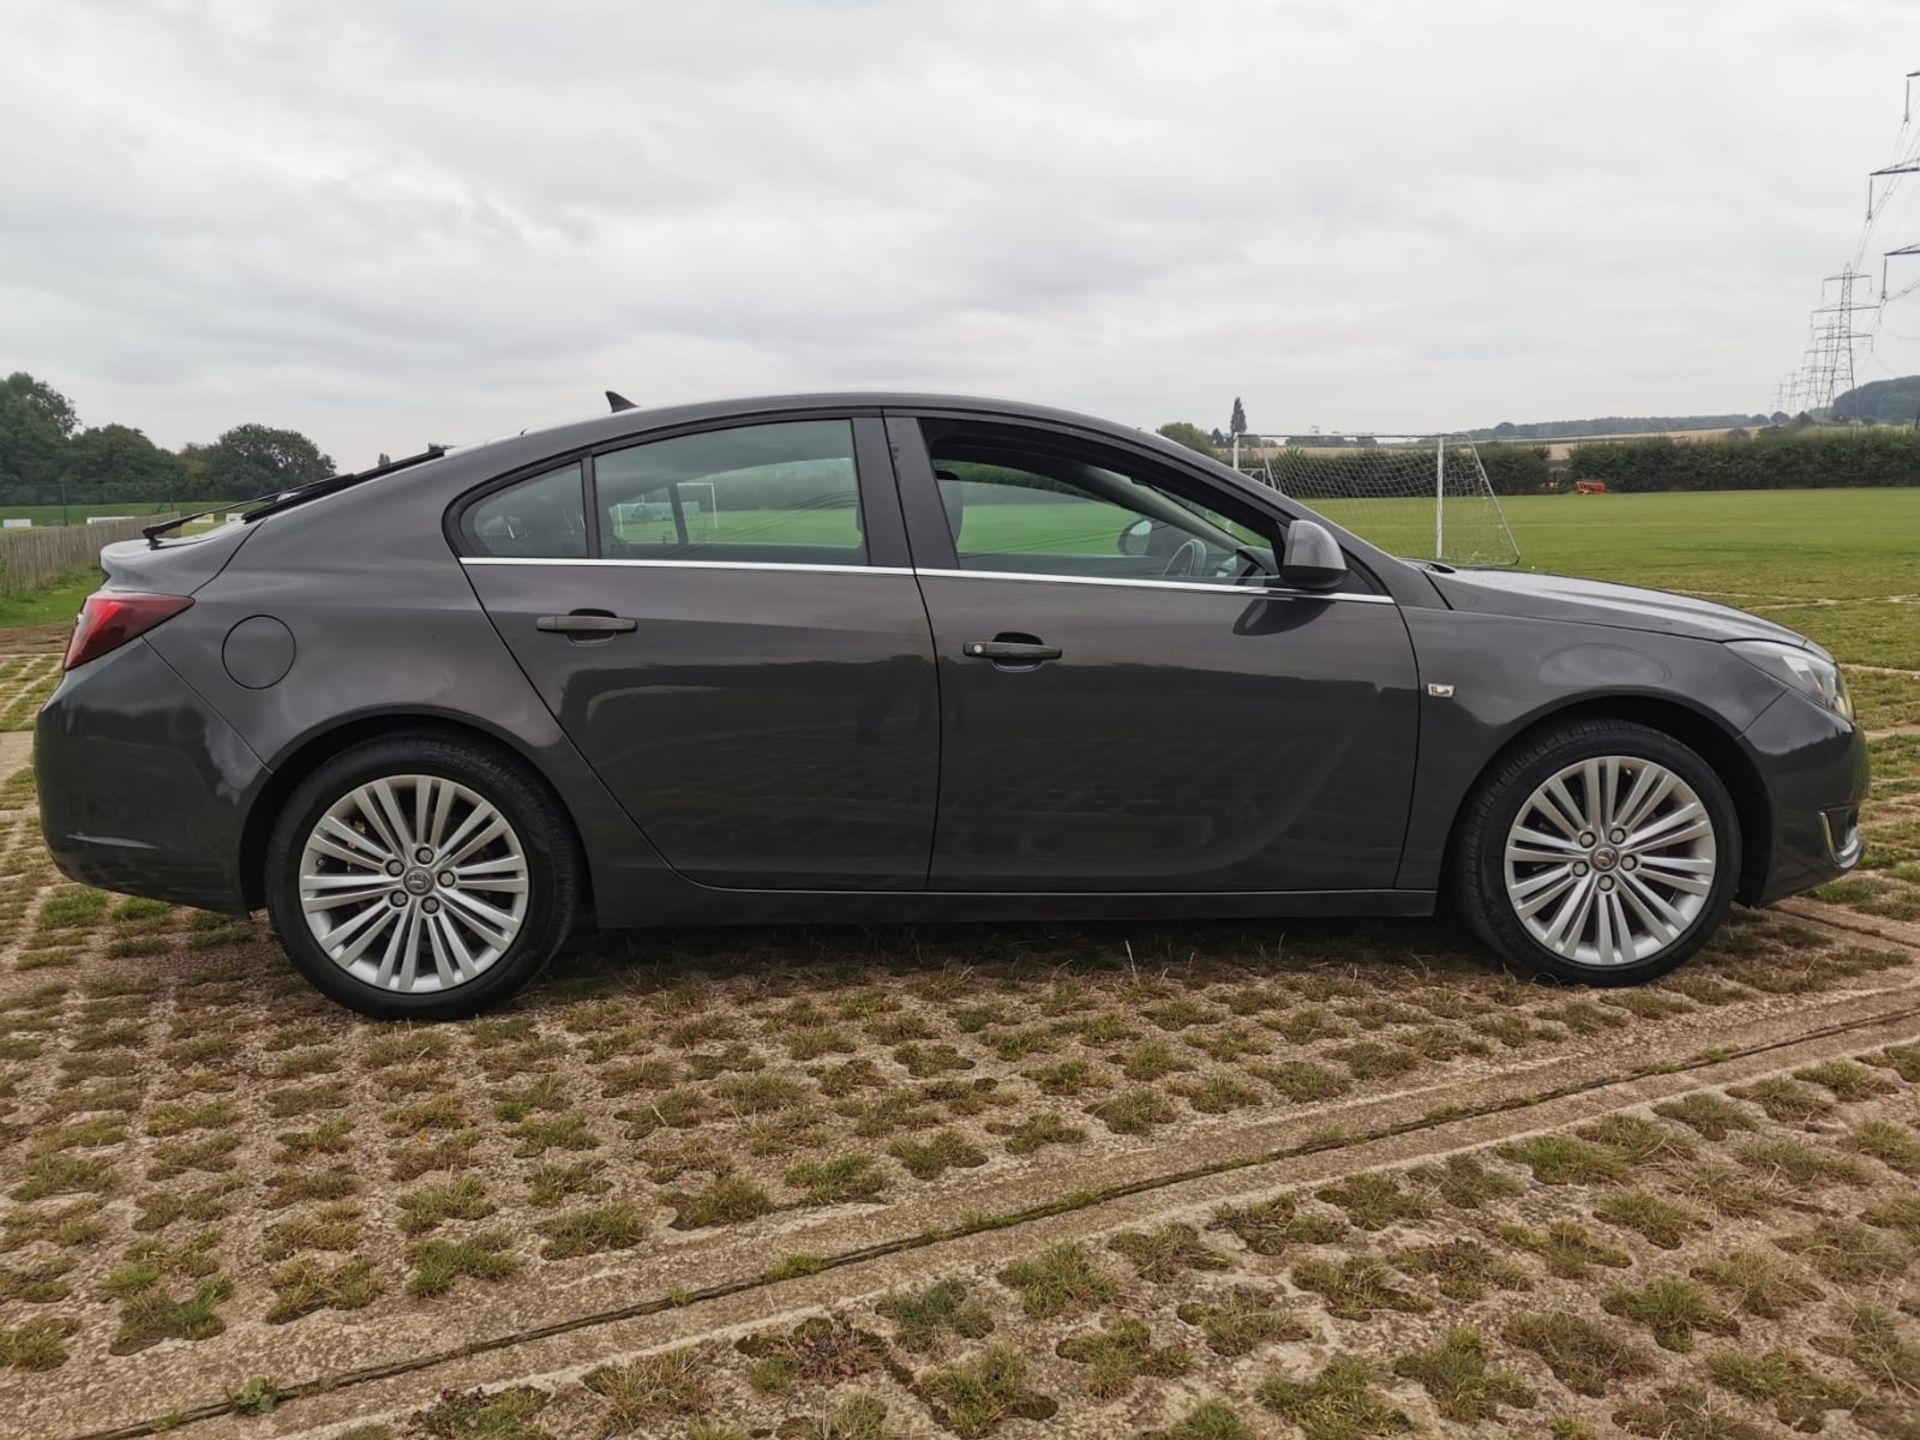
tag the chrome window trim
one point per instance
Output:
(1272, 592)
(1266, 592)
(683, 564)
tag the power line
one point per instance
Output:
(1827, 369)
(1834, 338)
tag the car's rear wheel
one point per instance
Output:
(419, 876)
(1601, 851)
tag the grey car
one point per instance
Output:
(876, 657)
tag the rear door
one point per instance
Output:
(725, 623)
(1130, 698)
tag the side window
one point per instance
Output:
(542, 518)
(1055, 513)
(758, 493)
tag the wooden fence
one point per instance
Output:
(33, 559)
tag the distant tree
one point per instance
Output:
(1518, 469)
(1605, 425)
(1238, 425)
(44, 400)
(196, 471)
(112, 463)
(254, 459)
(1191, 436)
(1886, 402)
(35, 420)
(1216, 437)
(1780, 417)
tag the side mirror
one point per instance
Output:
(1135, 538)
(1312, 560)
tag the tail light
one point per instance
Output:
(110, 618)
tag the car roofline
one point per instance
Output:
(596, 429)
(593, 431)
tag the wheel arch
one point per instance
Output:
(313, 750)
(1695, 729)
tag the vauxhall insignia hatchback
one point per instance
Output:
(898, 657)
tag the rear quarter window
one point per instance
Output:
(542, 518)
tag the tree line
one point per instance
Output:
(1811, 458)
(1619, 425)
(1798, 455)
(1881, 402)
(47, 457)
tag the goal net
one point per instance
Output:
(1425, 500)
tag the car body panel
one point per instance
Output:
(144, 786)
(1504, 674)
(385, 626)
(158, 743)
(1187, 738)
(764, 727)
(766, 723)
(1599, 602)
(1816, 765)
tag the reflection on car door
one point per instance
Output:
(1107, 727)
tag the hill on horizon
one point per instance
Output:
(1881, 402)
(1617, 425)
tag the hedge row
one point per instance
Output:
(1802, 460)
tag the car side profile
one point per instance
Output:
(900, 657)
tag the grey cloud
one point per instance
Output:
(391, 221)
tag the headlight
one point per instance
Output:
(1814, 676)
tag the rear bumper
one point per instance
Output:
(143, 787)
(1815, 768)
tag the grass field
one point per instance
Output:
(1840, 565)
(55, 605)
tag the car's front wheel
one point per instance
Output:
(1600, 851)
(419, 876)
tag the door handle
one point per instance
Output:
(1017, 652)
(586, 622)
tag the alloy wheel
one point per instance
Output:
(413, 883)
(1610, 860)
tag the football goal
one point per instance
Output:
(1425, 499)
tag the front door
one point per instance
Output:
(1129, 698)
(725, 624)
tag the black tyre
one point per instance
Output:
(1599, 851)
(420, 876)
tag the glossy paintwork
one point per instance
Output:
(142, 787)
(157, 743)
(1509, 673)
(386, 628)
(1186, 739)
(764, 727)
(1600, 602)
(1813, 762)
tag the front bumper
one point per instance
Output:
(1814, 765)
(143, 787)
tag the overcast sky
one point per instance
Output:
(392, 223)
